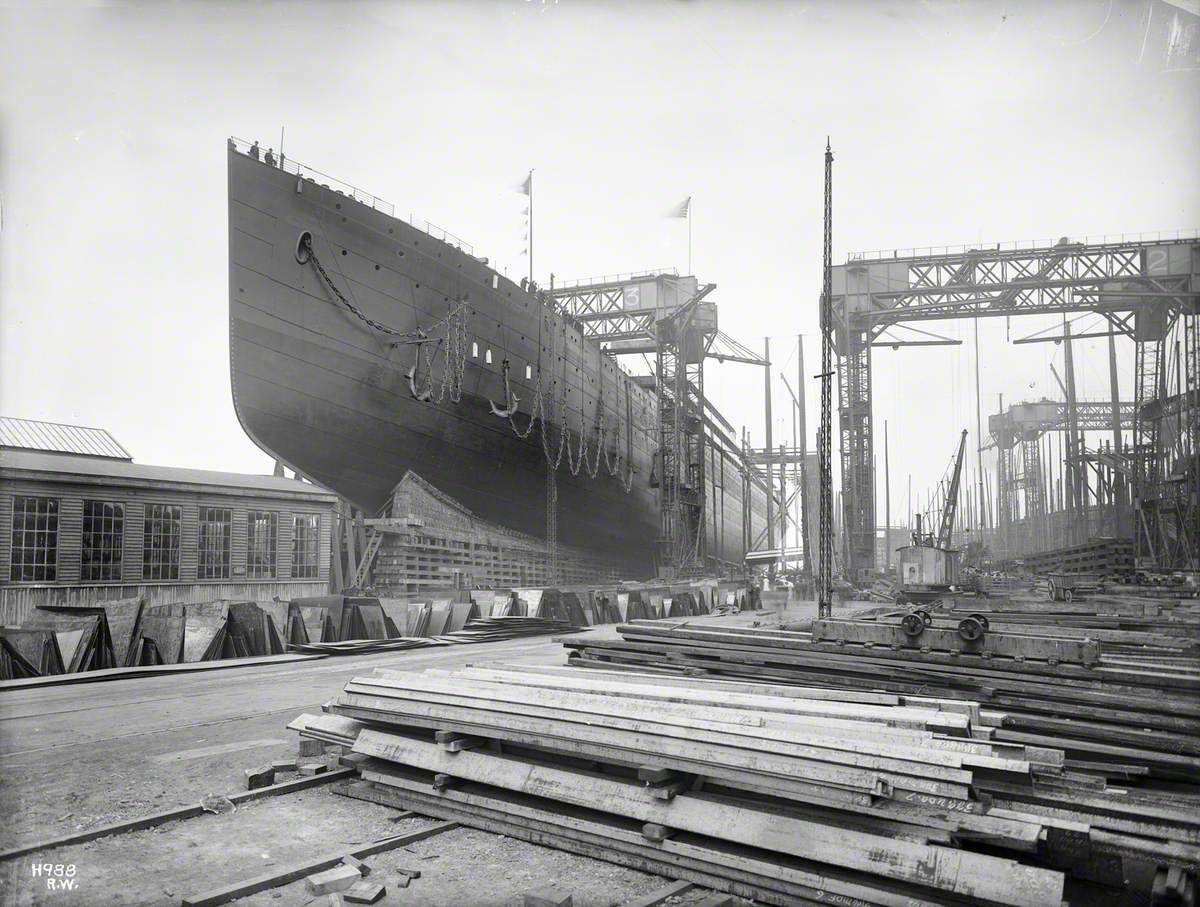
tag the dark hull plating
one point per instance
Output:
(315, 387)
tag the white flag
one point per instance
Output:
(526, 188)
(683, 209)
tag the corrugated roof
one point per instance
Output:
(29, 434)
(118, 471)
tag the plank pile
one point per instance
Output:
(779, 793)
(1120, 716)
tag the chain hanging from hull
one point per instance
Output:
(450, 337)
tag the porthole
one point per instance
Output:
(338, 206)
(377, 267)
(344, 251)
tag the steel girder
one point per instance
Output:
(1067, 277)
(857, 452)
(1108, 278)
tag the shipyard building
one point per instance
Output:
(80, 521)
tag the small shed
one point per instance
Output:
(924, 566)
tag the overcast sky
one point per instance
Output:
(951, 123)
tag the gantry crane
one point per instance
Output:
(1144, 287)
(670, 317)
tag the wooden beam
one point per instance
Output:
(172, 815)
(970, 874)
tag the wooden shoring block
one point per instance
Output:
(339, 878)
(653, 831)
(363, 892)
(961, 872)
(656, 897)
(453, 741)
(547, 897)
(260, 776)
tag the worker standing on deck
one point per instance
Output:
(270, 157)
(253, 152)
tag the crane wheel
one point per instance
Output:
(912, 625)
(926, 617)
(971, 629)
(983, 620)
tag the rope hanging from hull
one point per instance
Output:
(451, 344)
(450, 336)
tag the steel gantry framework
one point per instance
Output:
(1022, 485)
(662, 314)
(1144, 288)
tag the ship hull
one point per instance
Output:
(321, 390)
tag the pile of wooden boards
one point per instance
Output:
(778, 793)
(1116, 716)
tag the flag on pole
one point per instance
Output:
(683, 209)
(526, 187)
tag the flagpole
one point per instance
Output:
(689, 214)
(531, 227)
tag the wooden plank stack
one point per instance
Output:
(774, 791)
(1123, 718)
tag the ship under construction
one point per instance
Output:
(363, 347)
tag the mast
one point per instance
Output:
(943, 536)
(825, 582)
(805, 528)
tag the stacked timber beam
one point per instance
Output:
(1118, 715)
(1118, 707)
(778, 793)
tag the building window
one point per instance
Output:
(304, 546)
(34, 540)
(103, 541)
(260, 544)
(214, 541)
(160, 542)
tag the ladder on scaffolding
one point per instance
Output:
(363, 571)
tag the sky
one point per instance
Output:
(950, 123)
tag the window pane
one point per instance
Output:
(103, 541)
(304, 547)
(34, 540)
(215, 542)
(260, 544)
(161, 534)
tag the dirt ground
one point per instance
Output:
(459, 868)
(77, 757)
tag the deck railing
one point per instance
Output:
(322, 179)
(1102, 239)
(359, 195)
